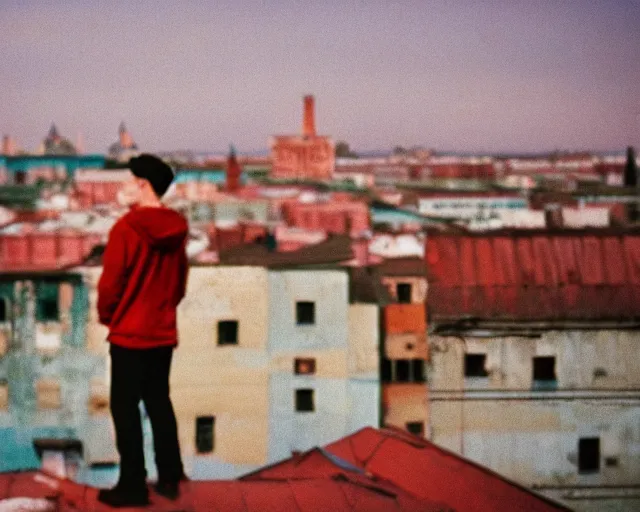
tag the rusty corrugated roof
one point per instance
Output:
(592, 275)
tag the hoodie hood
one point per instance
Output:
(162, 228)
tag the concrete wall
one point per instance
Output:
(328, 289)
(343, 341)
(532, 435)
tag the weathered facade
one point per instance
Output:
(270, 362)
(310, 319)
(405, 354)
(51, 385)
(535, 361)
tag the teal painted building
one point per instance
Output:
(47, 375)
(18, 168)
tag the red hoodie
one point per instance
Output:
(144, 278)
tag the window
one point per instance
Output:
(474, 365)
(20, 177)
(417, 370)
(48, 394)
(48, 309)
(4, 309)
(386, 372)
(204, 434)
(228, 332)
(403, 291)
(589, 455)
(402, 370)
(305, 366)
(305, 313)
(611, 462)
(544, 369)
(304, 400)
(416, 428)
(544, 373)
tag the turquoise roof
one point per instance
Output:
(69, 162)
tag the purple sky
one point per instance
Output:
(500, 76)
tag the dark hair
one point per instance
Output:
(154, 170)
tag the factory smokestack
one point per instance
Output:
(309, 122)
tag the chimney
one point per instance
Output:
(59, 457)
(309, 122)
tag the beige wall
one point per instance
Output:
(228, 382)
(580, 358)
(364, 333)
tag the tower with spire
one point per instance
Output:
(55, 144)
(305, 156)
(233, 171)
(125, 147)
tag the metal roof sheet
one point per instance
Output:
(534, 276)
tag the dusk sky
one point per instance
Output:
(470, 76)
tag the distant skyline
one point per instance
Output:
(485, 77)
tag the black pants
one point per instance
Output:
(143, 375)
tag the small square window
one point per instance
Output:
(205, 434)
(228, 332)
(304, 400)
(305, 366)
(305, 313)
(48, 304)
(416, 428)
(403, 291)
(589, 455)
(474, 365)
(544, 368)
(4, 310)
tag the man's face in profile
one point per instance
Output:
(131, 191)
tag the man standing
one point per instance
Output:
(143, 281)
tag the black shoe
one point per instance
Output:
(169, 490)
(119, 497)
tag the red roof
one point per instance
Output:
(593, 276)
(45, 251)
(420, 468)
(338, 492)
